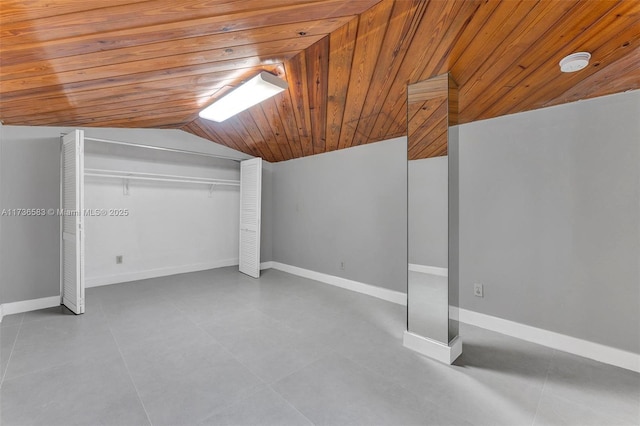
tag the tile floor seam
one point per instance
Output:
(40, 370)
(126, 366)
(569, 400)
(181, 311)
(400, 384)
(13, 347)
(350, 358)
(250, 370)
(618, 420)
(332, 352)
(36, 320)
(290, 404)
(320, 358)
(197, 325)
(282, 323)
(250, 392)
(337, 353)
(224, 348)
(544, 384)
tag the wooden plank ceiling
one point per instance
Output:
(136, 63)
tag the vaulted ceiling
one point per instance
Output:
(135, 63)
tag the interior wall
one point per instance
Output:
(29, 245)
(266, 224)
(344, 213)
(550, 218)
(1, 221)
(29, 178)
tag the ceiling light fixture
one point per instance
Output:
(250, 93)
(575, 62)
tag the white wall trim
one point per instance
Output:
(368, 289)
(266, 265)
(562, 342)
(154, 273)
(30, 305)
(1, 309)
(433, 349)
(433, 270)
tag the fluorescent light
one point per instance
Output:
(252, 92)
(575, 62)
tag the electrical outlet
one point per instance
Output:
(342, 265)
(478, 290)
(119, 259)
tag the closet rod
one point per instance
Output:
(167, 179)
(160, 148)
(123, 174)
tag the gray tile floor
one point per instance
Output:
(219, 348)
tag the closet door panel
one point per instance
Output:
(72, 197)
(250, 210)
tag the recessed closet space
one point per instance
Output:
(153, 212)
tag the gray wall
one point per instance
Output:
(29, 246)
(346, 206)
(550, 218)
(428, 212)
(1, 206)
(266, 235)
(29, 178)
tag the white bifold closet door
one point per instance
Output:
(250, 209)
(72, 200)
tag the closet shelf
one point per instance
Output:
(118, 174)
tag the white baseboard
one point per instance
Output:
(1, 313)
(562, 342)
(371, 290)
(154, 273)
(433, 349)
(432, 270)
(29, 305)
